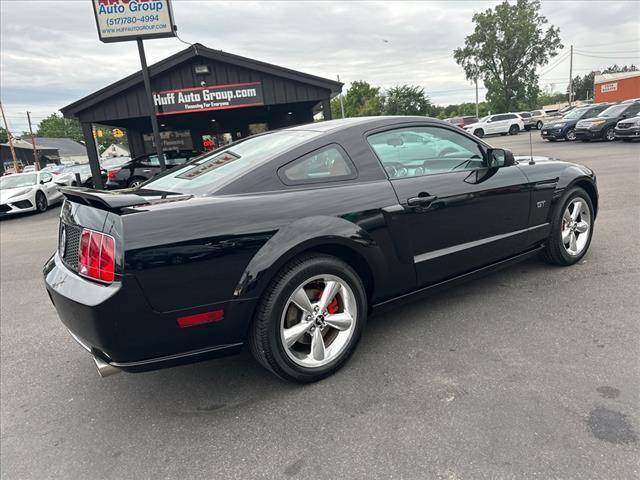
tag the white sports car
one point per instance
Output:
(26, 192)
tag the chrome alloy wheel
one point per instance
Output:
(576, 223)
(318, 321)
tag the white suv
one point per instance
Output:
(502, 123)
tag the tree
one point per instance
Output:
(406, 100)
(4, 138)
(508, 44)
(56, 126)
(361, 100)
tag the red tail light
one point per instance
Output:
(97, 256)
(111, 174)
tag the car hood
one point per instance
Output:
(10, 192)
(593, 119)
(631, 121)
(540, 160)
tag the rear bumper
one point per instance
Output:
(116, 324)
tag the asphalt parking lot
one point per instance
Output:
(531, 372)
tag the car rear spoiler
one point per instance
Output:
(101, 199)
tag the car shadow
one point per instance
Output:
(229, 385)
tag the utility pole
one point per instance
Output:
(10, 138)
(33, 142)
(571, 75)
(341, 102)
(153, 110)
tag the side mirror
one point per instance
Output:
(395, 141)
(500, 157)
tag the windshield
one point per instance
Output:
(614, 110)
(206, 173)
(17, 181)
(577, 113)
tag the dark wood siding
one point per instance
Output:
(132, 103)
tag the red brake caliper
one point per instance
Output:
(332, 308)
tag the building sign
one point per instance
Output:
(171, 140)
(121, 20)
(609, 87)
(217, 97)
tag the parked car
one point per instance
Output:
(84, 170)
(133, 173)
(26, 192)
(502, 123)
(60, 175)
(565, 127)
(527, 120)
(603, 125)
(629, 129)
(538, 117)
(286, 240)
(462, 121)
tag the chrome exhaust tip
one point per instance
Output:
(105, 369)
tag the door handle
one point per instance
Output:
(146, 170)
(421, 201)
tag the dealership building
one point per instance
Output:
(205, 98)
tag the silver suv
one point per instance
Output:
(538, 117)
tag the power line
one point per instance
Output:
(558, 62)
(611, 53)
(608, 57)
(614, 43)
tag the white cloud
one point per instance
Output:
(51, 56)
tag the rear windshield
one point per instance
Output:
(210, 172)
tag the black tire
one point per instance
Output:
(514, 130)
(539, 125)
(135, 181)
(555, 252)
(41, 202)
(265, 339)
(608, 135)
(570, 136)
(478, 132)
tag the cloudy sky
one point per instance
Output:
(51, 56)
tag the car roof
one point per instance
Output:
(333, 125)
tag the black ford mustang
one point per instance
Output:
(286, 241)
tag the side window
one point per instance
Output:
(436, 150)
(327, 164)
(174, 161)
(498, 118)
(151, 161)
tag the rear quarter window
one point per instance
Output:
(327, 164)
